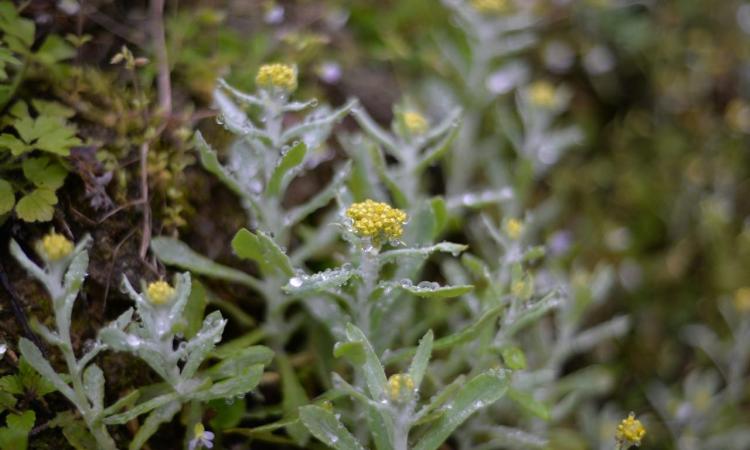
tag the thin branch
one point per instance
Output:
(162, 63)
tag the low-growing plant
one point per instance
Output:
(156, 336)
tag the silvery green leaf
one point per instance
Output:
(198, 348)
(321, 199)
(584, 341)
(297, 131)
(293, 396)
(285, 169)
(354, 352)
(436, 152)
(516, 437)
(50, 336)
(429, 289)
(527, 401)
(239, 95)
(236, 359)
(449, 124)
(318, 282)
(240, 384)
(259, 247)
(76, 272)
(466, 335)
(141, 408)
(37, 361)
(210, 162)
(126, 401)
(422, 252)
(177, 253)
(327, 428)
(160, 415)
(372, 369)
(182, 288)
(36, 271)
(235, 120)
(478, 393)
(529, 314)
(329, 312)
(421, 359)
(93, 382)
(381, 427)
(373, 129)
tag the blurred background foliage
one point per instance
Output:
(659, 188)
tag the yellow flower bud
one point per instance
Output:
(543, 94)
(54, 247)
(400, 386)
(375, 219)
(282, 76)
(415, 122)
(513, 228)
(491, 6)
(742, 299)
(159, 292)
(630, 431)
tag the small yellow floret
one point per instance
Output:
(199, 430)
(282, 76)
(415, 122)
(491, 6)
(159, 292)
(400, 385)
(375, 220)
(742, 299)
(55, 246)
(514, 228)
(542, 94)
(630, 431)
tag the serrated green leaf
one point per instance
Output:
(53, 50)
(43, 172)
(15, 435)
(327, 428)
(7, 197)
(55, 136)
(16, 146)
(291, 159)
(478, 393)
(263, 250)
(37, 206)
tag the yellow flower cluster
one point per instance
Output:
(282, 76)
(491, 6)
(543, 94)
(199, 430)
(630, 431)
(742, 299)
(54, 246)
(514, 228)
(375, 219)
(159, 292)
(399, 386)
(415, 122)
